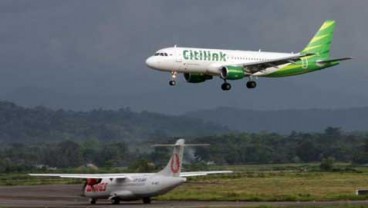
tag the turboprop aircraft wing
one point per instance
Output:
(127, 175)
(88, 176)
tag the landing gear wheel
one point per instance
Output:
(116, 201)
(251, 84)
(146, 200)
(226, 86)
(92, 201)
(172, 83)
(173, 78)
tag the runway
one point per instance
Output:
(69, 196)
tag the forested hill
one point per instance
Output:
(286, 121)
(19, 124)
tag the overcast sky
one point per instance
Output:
(90, 54)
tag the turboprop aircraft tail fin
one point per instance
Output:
(173, 167)
(321, 41)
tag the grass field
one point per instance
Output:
(276, 183)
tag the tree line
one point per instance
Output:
(227, 149)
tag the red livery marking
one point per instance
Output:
(101, 187)
(175, 163)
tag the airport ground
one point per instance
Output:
(250, 186)
(68, 196)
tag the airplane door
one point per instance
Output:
(179, 65)
(304, 63)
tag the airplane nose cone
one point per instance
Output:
(150, 62)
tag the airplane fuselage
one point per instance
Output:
(132, 188)
(210, 61)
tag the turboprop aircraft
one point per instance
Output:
(134, 186)
(201, 64)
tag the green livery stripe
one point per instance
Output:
(321, 42)
(288, 70)
(310, 65)
(318, 45)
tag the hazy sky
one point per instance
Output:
(90, 54)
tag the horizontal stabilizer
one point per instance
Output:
(204, 173)
(333, 60)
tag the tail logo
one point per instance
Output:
(175, 163)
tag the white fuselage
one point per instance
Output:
(134, 187)
(208, 61)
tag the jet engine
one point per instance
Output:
(196, 78)
(232, 72)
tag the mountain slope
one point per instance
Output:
(19, 124)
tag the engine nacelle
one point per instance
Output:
(232, 72)
(196, 78)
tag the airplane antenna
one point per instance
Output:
(175, 46)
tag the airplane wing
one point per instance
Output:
(88, 176)
(203, 173)
(123, 176)
(254, 67)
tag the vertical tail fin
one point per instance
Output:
(173, 167)
(321, 42)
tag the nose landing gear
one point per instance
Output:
(172, 82)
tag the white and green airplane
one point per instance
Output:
(200, 64)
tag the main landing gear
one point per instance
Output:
(173, 78)
(115, 200)
(92, 201)
(251, 84)
(226, 86)
(146, 200)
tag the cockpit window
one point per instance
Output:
(160, 54)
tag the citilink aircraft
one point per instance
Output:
(134, 186)
(200, 64)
